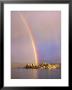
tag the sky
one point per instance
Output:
(45, 27)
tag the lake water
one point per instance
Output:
(19, 73)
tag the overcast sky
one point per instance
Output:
(46, 31)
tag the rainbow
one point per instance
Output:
(31, 37)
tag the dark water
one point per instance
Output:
(35, 74)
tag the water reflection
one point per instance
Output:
(35, 74)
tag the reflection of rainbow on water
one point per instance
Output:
(31, 37)
(35, 73)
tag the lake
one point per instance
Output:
(19, 73)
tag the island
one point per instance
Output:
(42, 66)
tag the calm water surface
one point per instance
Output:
(35, 74)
